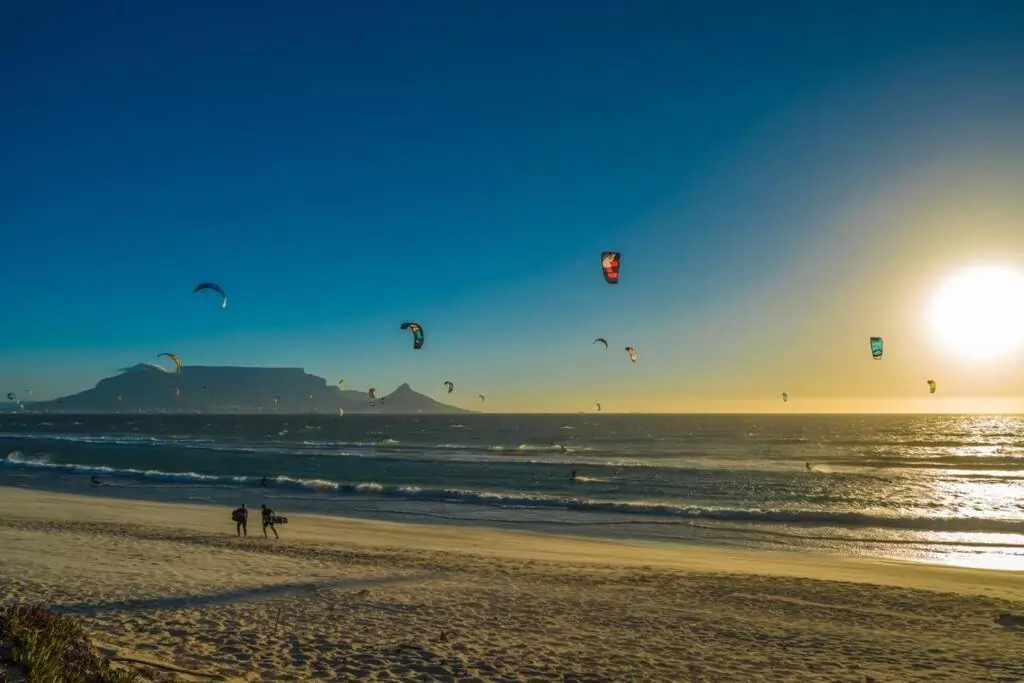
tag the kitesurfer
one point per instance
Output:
(263, 482)
(417, 334)
(808, 466)
(213, 286)
(268, 520)
(95, 481)
(572, 477)
(241, 519)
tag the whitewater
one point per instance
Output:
(946, 489)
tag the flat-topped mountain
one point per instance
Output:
(228, 389)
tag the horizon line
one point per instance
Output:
(551, 413)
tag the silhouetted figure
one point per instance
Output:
(808, 466)
(264, 482)
(268, 521)
(95, 481)
(241, 517)
(572, 477)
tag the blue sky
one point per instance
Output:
(341, 168)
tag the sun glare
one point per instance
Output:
(977, 313)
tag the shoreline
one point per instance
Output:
(943, 550)
(382, 535)
(171, 584)
(721, 483)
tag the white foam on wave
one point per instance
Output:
(656, 511)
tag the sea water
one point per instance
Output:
(933, 488)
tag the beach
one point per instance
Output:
(172, 587)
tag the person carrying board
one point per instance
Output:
(268, 521)
(241, 518)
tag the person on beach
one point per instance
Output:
(241, 517)
(268, 520)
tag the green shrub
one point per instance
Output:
(53, 648)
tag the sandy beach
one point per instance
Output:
(337, 599)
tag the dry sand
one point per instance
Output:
(340, 599)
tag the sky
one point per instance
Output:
(783, 180)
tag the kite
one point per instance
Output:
(277, 399)
(11, 396)
(876, 348)
(785, 397)
(214, 287)
(602, 340)
(632, 353)
(451, 387)
(417, 334)
(481, 396)
(931, 386)
(372, 393)
(610, 266)
(598, 407)
(173, 357)
(341, 382)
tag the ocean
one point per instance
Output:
(943, 489)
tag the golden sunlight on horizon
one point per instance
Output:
(797, 404)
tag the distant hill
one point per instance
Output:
(224, 389)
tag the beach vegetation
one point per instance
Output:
(37, 645)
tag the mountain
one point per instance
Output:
(223, 389)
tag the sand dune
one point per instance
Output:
(338, 599)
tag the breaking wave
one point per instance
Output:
(665, 513)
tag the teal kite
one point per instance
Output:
(876, 348)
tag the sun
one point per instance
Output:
(978, 313)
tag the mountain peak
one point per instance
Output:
(140, 367)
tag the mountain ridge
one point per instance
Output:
(235, 389)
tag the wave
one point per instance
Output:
(113, 439)
(989, 440)
(653, 512)
(18, 460)
(974, 461)
(304, 447)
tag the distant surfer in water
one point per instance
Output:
(572, 477)
(264, 483)
(808, 466)
(95, 481)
